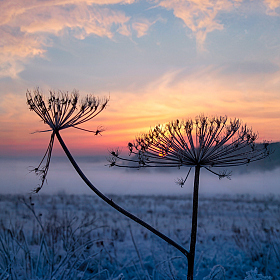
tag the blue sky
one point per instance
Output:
(156, 59)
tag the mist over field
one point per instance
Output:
(257, 178)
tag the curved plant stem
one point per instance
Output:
(194, 224)
(114, 205)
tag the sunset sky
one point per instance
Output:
(157, 60)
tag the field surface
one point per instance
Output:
(80, 237)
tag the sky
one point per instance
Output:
(157, 60)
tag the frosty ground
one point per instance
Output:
(80, 237)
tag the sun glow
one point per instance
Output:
(152, 77)
(162, 153)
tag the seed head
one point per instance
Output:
(205, 142)
(59, 111)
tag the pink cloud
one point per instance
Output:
(84, 20)
(272, 6)
(254, 98)
(26, 25)
(199, 15)
(142, 26)
(16, 48)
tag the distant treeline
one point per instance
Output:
(267, 164)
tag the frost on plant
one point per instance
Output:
(217, 273)
(253, 275)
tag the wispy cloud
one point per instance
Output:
(15, 48)
(26, 25)
(83, 20)
(272, 6)
(142, 26)
(254, 98)
(199, 15)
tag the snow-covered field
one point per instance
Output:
(80, 237)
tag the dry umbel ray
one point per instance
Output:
(61, 111)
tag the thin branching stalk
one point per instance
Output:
(200, 143)
(113, 204)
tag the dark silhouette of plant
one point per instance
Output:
(61, 111)
(201, 143)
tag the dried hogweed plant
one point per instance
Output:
(60, 111)
(201, 143)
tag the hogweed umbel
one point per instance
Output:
(200, 143)
(60, 111)
(205, 142)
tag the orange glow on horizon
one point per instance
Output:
(159, 104)
(17, 136)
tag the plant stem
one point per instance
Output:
(194, 224)
(114, 205)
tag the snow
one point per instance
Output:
(66, 236)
